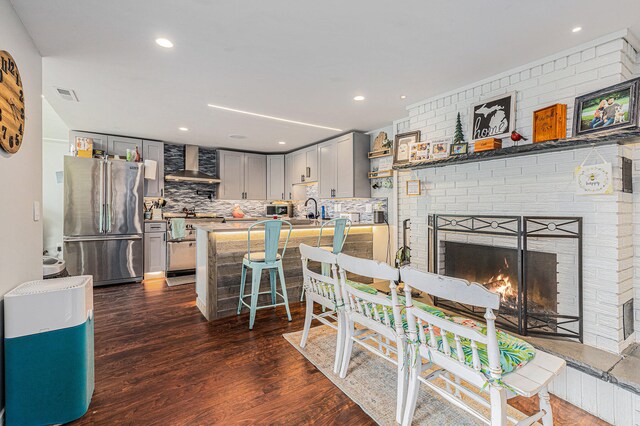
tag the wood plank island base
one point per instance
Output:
(220, 248)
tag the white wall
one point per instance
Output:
(55, 141)
(21, 173)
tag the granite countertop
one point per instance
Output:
(244, 225)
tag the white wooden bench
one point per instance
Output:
(379, 319)
(469, 380)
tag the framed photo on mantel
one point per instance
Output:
(402, 146)
(612, 108)
(494, 118)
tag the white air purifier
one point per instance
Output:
(49, 361)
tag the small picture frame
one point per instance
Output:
(402, 145)
(440, 149)
(413, 187)
(611, 108)
(419, 151)
(459, 148)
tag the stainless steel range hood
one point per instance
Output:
(191, 172)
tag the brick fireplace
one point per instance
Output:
(542, 185)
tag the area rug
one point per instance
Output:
(182, 280)
(371, 383)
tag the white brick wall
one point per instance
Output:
(539, 184)
(611, 403)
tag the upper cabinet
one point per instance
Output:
(311, 171)
(243, 176)
(276, 177)
(328, 168)
(99, 141)
(343, 167)
(154, 185)
(288, 176)
(255, 173)
(305, 165)
(118, 145)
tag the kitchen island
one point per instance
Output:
(220, 248)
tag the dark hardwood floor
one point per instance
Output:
(159, 362)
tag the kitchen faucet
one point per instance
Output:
(315, 215)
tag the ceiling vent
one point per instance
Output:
(67, 94)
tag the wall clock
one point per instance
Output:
(11, 104)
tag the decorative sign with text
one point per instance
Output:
(595, 179)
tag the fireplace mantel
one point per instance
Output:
(619, 137)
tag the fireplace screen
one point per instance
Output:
(535, 264)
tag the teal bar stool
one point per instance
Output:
(268, 259)
(341, 228)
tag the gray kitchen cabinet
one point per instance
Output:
(327, 156)
(343, 167)
(118, 145)
(311, 156)
(231, 166)
(154, 150)
(299, 166)
(276, 177)
(305, 165)
(155, 247)
(255, 173)
(243, 176)
(99, 141)
(288, 176)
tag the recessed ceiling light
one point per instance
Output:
(403, 96)
(282, 142)
(163, 42)
(270, 117)
(184, 129)
(358, 98)
(236, 136)
(576, 29)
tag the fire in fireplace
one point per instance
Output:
(501, 283)
(496, 268)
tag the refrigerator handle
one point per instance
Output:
(102, 200)
(109, 198)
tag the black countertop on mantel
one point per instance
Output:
(619, 137)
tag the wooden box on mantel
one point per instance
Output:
(487, 144)
(550, 123)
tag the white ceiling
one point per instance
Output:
(297, 59)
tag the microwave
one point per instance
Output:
(279, 210)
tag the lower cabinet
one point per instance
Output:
(155, 247)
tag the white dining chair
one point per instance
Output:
(325, 291)
(480, 358)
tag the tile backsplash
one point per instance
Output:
(348, 205)
(185, 194)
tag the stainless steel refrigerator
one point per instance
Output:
(103, 219)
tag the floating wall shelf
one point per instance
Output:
(381, 174)
(620, 137)
(381, 153)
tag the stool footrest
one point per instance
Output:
(242, 297)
